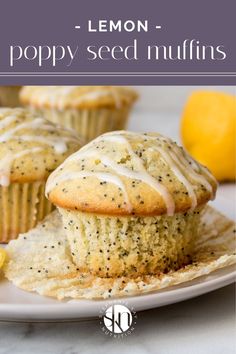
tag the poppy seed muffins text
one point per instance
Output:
(30, 148)
(130, 204)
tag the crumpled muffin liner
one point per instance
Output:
(40, 261)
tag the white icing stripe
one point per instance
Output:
(11, 133)
(194, 175)
(103, 176)
(193, 169)
(179, 175)
(28, 125)
(124, 171)
(7, 161)
(95, 95)
(8, 116)
(174, 157)
(143, 175)
(7, 121)
(58, 145)
(58, 95)
(210, 176)
(189, 165)
(38, 123)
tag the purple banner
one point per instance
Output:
(152, 42)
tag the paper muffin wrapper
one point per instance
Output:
(9, 96)
(22, 205)
(41, 261)
(89, 123)
(112, 246)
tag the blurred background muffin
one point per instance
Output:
(130, 204)
(9, 96)
(90, 110)
(30, 148)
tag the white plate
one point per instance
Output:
(18, 305)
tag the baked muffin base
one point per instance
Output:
(22, 205)
(89, 123)
(110, 246)
(50, 271)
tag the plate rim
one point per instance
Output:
(22, 310)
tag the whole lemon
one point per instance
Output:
(208, 131)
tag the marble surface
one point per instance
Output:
(203, 325)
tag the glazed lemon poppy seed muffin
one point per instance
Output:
(130, 204)
(9, 96)
(90, 110)
(30, 148)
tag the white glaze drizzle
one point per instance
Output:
(192, 173)
(7, 121)
(36, 124)
(103, 176)
(189, 166)
(57, 95)
(175, 159)
(121, 170)
(142, 174)
(59, 146)
(179, 175)
(175, 152)
(7, 161)
(94, 95)
(57, 143)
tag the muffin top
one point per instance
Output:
(77, 96)
(31, 147)
(125, 173)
